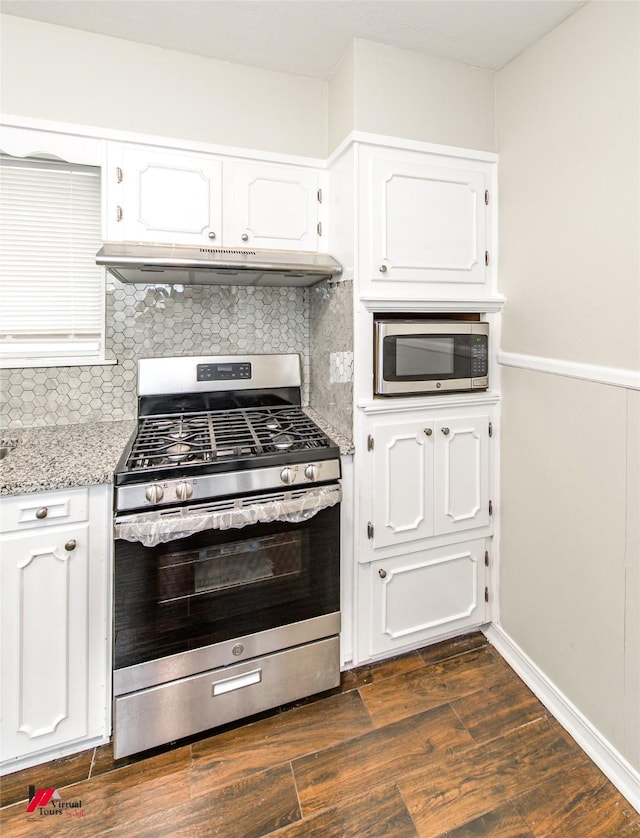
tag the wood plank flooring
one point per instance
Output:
(445, 741)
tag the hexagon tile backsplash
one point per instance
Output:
(152, 322)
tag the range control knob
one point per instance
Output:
(311, 472)
(154, 493)
(287, 475)
(184, 491)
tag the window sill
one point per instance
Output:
(23, 363)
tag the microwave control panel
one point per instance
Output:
(479, 356)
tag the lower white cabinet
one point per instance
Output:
(418, 597)
(424, 522)
(426, 476)
(55, 619)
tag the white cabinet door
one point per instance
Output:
(462, 474)
(45, 644)
(54, 622)
(165, 196)
(420, 596)
(426, 225)
(402, 483)
(272, 206)
(426, 477)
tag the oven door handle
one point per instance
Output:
(297, 506)
(237, 682)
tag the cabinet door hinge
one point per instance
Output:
(486, 197)
(486, 257)
(369, 443)
(490, 507)
(118, 174)
(369, 530)
(319, 196)
(319, 228)
(486, 558)
(490, 429)
(486, 594)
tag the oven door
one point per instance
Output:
(209, 589)
(425, 357)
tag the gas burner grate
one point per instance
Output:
(222, 435)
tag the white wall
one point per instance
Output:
(569, 143)
(56, 73)
(400, 93)
(342, 99)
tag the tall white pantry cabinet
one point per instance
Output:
(414, 226)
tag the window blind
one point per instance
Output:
(51, 290)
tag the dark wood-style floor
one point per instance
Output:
(443, 741)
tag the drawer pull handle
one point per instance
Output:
(236, 683)
(42, 513)
(71, 545)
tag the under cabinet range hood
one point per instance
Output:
(161, 264)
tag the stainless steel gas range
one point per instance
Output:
(227, 551)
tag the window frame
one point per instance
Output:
(76, 150)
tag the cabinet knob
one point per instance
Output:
(71, 545)
(245, 237)
(212, 235)
(42, 513)
(382, 573)
(445, 431)
(428, 431)
(383, 269)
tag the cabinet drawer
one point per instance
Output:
(42, 510)
(222, 695)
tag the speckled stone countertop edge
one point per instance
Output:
(62, 456)
(345, 443)
(71, 456)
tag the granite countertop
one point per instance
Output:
(62, 456)
(346, 444)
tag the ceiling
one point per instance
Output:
(309, 37)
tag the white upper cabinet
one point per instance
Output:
(273, 206)
(425, 225)
(180, 197)
(164, 196)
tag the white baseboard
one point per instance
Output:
(621, 773)
(12, 765)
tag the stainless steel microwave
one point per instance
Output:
(414, 357)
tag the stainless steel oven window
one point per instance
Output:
(240, 563)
